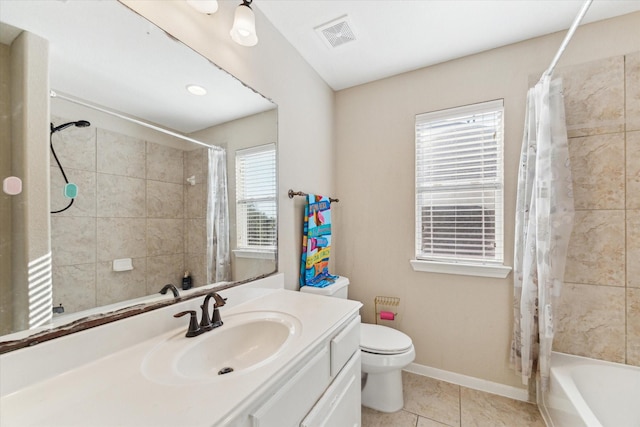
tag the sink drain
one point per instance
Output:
(225, 370)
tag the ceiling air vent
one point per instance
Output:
(337, 32)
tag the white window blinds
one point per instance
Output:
(256, 197)
(459, 181)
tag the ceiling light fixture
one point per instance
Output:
(196, 90)
(244, 25)
(204, 6)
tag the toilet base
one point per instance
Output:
(383, 391)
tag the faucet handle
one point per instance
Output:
(219, 301)
(194, 328)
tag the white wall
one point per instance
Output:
(276, 70)
(458, 323)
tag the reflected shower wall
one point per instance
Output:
(133, 202)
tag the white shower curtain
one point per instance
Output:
(218, 259)
(544, 218)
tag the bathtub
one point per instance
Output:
(591, 393)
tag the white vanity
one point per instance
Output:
(295, 360)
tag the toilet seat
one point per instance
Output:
(378, 339)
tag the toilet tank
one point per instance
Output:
(338, 289)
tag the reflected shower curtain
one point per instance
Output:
(544, 218)
(218, 259)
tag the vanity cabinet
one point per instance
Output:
(313, 380)
(323, 391)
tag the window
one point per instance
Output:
(459, 180)
(256, 224)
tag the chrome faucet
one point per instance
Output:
(173, 289)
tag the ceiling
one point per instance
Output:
(396, 36)
(146, 80)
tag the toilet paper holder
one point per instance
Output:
(386, 308)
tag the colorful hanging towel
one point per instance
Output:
(316, 243)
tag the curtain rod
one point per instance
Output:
(567, 38)
(300, 193)
(54, 94)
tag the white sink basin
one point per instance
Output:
(246, 341)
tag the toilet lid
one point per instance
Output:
(383, 339)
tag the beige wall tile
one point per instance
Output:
(121, 238)
(591, 322)
(633, 170)
(74, 286)
(594, 97)
(196, 201)
(165, 200)
(196, 236)
(632, 85)
(195, 163)
(597, 167)
(115, 286)
(120, 154)
(162, 270)
(633, 327)
(431, 398)
(120, 196)
(597, 248)
(633, 248)
(483, 409)
(196, 264)
(73, 240)
(85, 203)
(165, 163)
(165, 236)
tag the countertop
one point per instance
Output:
(113, 390)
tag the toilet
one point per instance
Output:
(385, 351)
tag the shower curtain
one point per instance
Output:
(544, 218)
(218, 259)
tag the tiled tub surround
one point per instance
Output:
(97, 377)
(133, 202)
(599, 310)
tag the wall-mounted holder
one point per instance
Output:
(123, 264)
(387, 310)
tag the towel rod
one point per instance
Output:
(300, 193)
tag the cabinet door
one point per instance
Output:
(340, 404)
(289, 404)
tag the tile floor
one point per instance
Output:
(433, 403)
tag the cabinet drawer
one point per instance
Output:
(344, 345)
(290, 404)
(340, 405)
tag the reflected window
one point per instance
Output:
(256, 198)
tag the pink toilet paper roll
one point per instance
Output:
(387, 315)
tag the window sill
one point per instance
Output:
(496, 271)
(255, 253)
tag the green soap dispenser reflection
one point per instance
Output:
(70, 191)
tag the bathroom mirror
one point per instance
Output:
(144, 195)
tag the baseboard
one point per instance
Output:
(470, 382)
